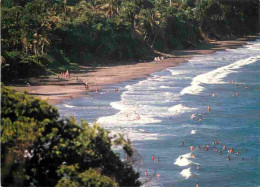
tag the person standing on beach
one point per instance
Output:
(67, 74)
(146, 173)
(156, 60)
(86, 85)
(152, 157)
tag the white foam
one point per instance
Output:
(186, 173)
(193, 132)
(165, 87)
(216, 76)
(68, 106)
(183, 160)
(180, 109)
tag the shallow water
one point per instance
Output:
(155, 113)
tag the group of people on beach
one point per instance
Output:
(159, 59)
(64, 75)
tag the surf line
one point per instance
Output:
(216, 76)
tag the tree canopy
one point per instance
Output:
(45, 35)
(40, 149)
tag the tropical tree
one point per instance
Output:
(39, 149)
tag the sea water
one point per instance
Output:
(155, 113)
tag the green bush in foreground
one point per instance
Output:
(38, 149)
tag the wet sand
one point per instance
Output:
(55, 90)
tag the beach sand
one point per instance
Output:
(55, 90)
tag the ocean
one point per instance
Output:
(155, 113)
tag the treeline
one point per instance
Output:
(41, 36)
(38, 148)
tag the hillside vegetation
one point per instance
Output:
(40, 149)
(46, 36)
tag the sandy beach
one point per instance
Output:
(54, 89)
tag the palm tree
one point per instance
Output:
(110, 7)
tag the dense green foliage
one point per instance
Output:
(39, 36)
(227, 19)
(39, 149)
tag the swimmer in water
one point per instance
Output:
(191, 147)
(224, 147)
(200, 120)
(158, 160)
(213, 95)
(231, 150)
(245, 87)
(182, 144)
(209, 109)
(229, 158)
(197, 184)
(237, 153)
(158, 175)
(214, 149)
(192, 117)
(146, 173)
(206, 148)
(193, 156)
(197, 167)
(220, 152)
(199, 148)
(152, 157)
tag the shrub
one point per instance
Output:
(39, 149)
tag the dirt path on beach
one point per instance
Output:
(55, 89)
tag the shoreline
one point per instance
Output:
(56, 90)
